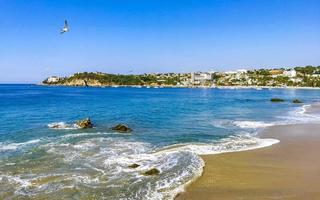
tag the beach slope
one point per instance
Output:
(287, 170)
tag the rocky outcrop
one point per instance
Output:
(121, 128)
(83, 82)
(296, 101)
(276, 100)
(153, 171)
(84, 123)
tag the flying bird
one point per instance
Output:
(65, 27)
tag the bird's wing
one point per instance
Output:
(65, 23)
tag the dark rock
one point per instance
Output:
(121, 128)
(296, 101)
(84, 123)
(151, 172)
(134, 165)
(276, 100)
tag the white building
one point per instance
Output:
(230, 72)
(290, 73)
(200, 77)
(242, 71)
(53, 79)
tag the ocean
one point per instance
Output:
(171, 128)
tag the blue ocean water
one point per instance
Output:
(172, 126)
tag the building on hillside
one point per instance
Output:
(53, 79)
(230, 72)
(290, 73)
(242, 71)
(198, 78)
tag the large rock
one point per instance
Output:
(121, 128)
(84, 123)
(276, 100)
(296, 101)
(153, 171)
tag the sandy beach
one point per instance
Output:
(287, 170)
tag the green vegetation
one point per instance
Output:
(103, 79)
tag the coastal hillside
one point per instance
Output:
(308, 76)
(104, 79)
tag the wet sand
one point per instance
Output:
(286, 170)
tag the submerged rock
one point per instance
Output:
(153, 171)
(121, 128)
(296, 101)
(134, 165)
(276, 100)
(84, 123)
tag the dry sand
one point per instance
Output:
(287, 170)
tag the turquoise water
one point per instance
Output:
(172, 127)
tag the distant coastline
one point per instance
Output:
(298, 77)
(191, 87)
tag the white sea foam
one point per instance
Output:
(6, 146)
(9, 179)
(102, 163)
(300, 115)
(123, 153)
(296, 116)
(62, 125)
(234, 143)
(111, 157)
(225, 123)
(252, 124)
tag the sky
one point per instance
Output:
(145, 36)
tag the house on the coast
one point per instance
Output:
(53, 79)
(199, 78)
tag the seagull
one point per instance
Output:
(65, 27)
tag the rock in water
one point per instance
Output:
(121, 128)
(84, 123)
(153, 171)
(276, 100)
(296, 101)
(134, 165)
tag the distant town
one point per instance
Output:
(308, 76)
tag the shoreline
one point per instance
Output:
(173, 86)
(280, 171)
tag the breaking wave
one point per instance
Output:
(295, 116)
(224, 123)
(62, 125)
(6, 146)
(100, 166)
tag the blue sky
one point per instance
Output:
(122, 36)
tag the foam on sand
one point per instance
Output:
(101, 165)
